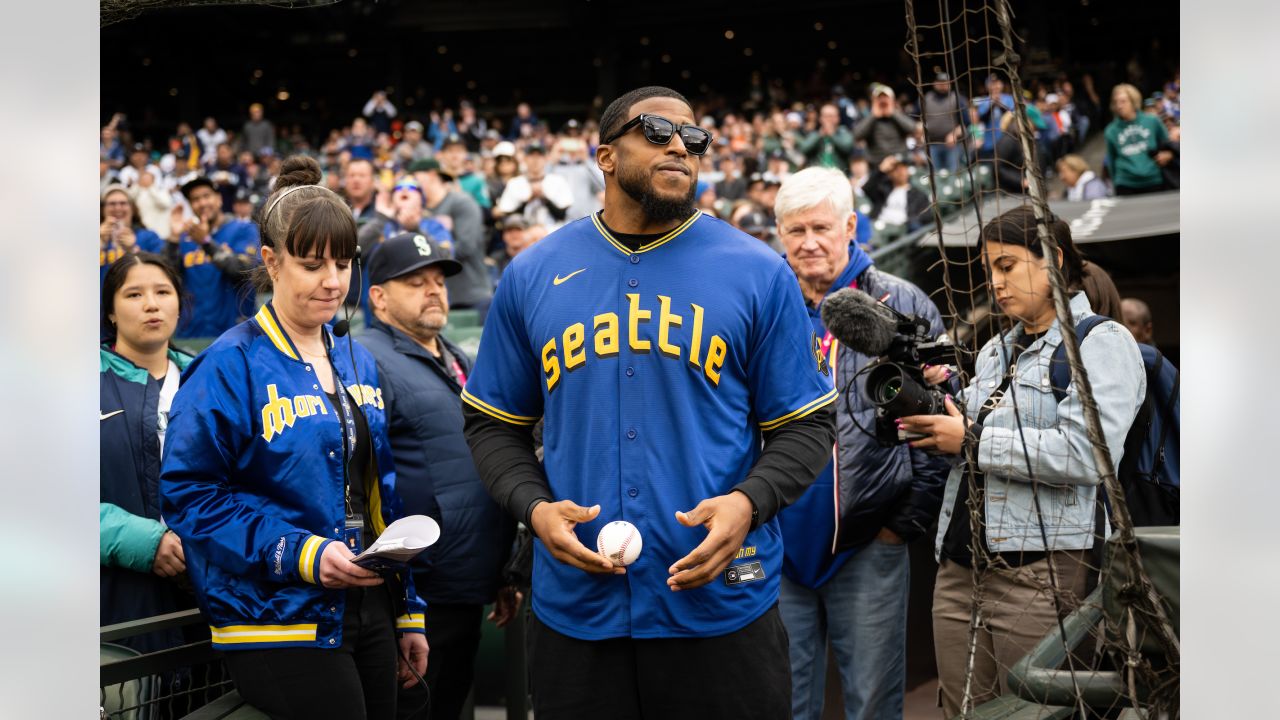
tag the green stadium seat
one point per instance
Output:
(131, 694)
(467, 338)
(228, 707)
(1009, 707)
(464, 317)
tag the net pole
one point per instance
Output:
(1101, 453)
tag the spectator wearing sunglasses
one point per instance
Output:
(407, 214)
(458, 211)
(606, 329)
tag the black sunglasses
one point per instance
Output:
(659, 131)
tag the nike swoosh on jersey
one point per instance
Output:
(101, 416)
(559, 279)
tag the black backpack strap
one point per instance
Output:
(1059, 369)
(1165, 409)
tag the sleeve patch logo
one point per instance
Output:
(820, 356)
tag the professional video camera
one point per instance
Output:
(900, 344)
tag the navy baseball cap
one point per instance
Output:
(406, 253)
(194, 183)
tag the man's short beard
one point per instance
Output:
(656, 208)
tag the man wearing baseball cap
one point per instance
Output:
(543, 199)
(412, 147)
(886, 128)
(214, 251)
(422, 374)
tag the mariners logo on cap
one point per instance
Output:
(424, 247)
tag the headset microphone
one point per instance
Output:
(343, 326)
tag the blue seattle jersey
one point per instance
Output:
(656, 372)
(218, 302)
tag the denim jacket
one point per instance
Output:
(1051, 436)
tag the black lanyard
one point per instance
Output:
(347, 416)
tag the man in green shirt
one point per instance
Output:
(831, 144)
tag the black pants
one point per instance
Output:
(355, 681)
(745, 675)
(453, 635)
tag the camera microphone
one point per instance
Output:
(859, 322)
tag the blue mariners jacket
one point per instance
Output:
(252, 482)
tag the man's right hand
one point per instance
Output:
(337, 570)
(177, 224)
(553, 523)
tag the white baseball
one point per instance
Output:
(619, 542)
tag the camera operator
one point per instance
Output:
(887, 496)
(1035, 476)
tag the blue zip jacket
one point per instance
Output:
(129, 500)
(252, 482)
(898, 488)
(435, 474)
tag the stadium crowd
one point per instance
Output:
(180, 235)
(487, 187)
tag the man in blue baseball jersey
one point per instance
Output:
(660, 346)
(215, 252)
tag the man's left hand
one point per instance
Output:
(727, 519)
(505, 606)
(414, 647)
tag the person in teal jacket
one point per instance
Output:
(140, 558)
(1137, 145)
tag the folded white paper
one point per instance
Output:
(400, 543)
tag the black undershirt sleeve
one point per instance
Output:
(505, 459)
(793, 456)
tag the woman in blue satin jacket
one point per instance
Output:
(278, 469)
(1033, 466)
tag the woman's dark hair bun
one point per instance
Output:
(298, 170)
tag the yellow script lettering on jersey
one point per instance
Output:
(281, 412)
(572, 343)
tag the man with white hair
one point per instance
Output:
(887, 496)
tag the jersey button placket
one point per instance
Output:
(635, 259)
(631, 433)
